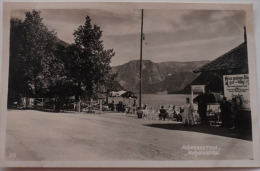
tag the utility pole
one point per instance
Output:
(141, 60)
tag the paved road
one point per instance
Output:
(43, 136)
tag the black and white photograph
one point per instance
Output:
(129, 82)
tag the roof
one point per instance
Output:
(235, 58)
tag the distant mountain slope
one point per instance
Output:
(172, 83)
(157, 77)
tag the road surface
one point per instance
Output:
(44, 136)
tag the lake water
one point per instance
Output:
(157, 100)
(164, 99)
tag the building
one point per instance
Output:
(234, 61)
(233, 66)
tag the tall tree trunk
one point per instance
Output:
(78, 90)
(77, 96)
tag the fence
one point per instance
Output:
(52, 104)
(36, 103)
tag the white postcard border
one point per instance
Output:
(155, 164)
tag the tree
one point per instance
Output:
(33, 65)
(17, 81)
(38, 53)
(88, 62)
(42, 67)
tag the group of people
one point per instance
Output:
(185, 114)
(178, 116)
(121, 107)
(228, 112)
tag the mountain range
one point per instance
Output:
(168, 77)
(157, 77)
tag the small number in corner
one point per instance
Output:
(12, 155)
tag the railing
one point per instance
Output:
(42, 103)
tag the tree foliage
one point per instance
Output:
(38, 53)
(33, 64)
(42, 67)
(17, 79)
(88, 62)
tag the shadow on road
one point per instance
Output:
(226, 132)
(44, 110)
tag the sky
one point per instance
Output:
(170, 35)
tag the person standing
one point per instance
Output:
(202, 110)
(112, 105)
(57, 104)
(225, 110)
(235, 107)
(188, 113)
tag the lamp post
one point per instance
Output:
(141, 60)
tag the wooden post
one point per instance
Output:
(53, 104)
(100, 101)
(79, 106)
(191, 96)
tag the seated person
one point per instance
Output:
(163, 114)
(176, 115)
(130, 109)
(112, 106)
(120, 107)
